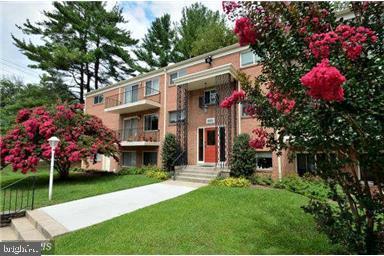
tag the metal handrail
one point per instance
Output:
(174, 163)
(135, 95)
(17, 199)
(138, 134)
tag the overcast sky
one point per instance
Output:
(140, 14)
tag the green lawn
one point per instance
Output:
(210, 220)
(78, 185)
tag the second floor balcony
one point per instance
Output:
(133, 99)
(138, 137)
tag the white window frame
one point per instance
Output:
(177, 75)
(254, 62)
(98, 97)
(98, 157)
(210, 103)
(157, 91)
(122, 156)
(158, 122)
(149, 151)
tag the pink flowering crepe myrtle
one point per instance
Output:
(81, 137)
(352, 41)
(324, 82)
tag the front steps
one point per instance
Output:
(197, 173)
(35, 226)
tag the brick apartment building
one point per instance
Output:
(182, 99)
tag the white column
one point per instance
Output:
(279, 166)
(51, 174)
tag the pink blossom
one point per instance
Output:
(324, 82)
(245, 31)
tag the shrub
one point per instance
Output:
(131, 171)
(231, 182)
(157, 174)
(170, 151)
(243, 159)
(258, 179)
(310, 187)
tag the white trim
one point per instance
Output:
(254, 63)
(207, 73)
(151, 114)
(204, 137)
(240, 108)
(165, 105)
(279, 167)
(139, 143)
(149, 104)
(145, 87)
(131, 117)
(222, 52)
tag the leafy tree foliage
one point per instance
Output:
(170, 151)
(196, 28)
(158, 47)
(243, 160)
(81, 137)
(324, 75)
(16, 95)
(82, 41)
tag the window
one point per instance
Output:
(211, 138)
(244, 106)
(248, 58)
(263, 160)
(131, 93)
(152, 87)
(129, 158)
(210, 97)
(151, 122)
(150, 158)
(176, 74)
(98, 157)
(98, 99)
(305, 163)
(173, 115)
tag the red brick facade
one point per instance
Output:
(167, 100)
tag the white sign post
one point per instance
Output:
(53, 141)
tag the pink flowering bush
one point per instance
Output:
(81, 138)
(236, 97)
(325, 98)
(245, 31)
(324, 82)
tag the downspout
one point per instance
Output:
(165, 102)
(279, 167)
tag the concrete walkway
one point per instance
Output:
(92, 210)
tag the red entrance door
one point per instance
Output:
(210, 145)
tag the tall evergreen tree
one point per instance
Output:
(82, 42)
(15, 95)
(204, 28)
(158, 47)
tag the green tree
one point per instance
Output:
(170, 150)
(324, 75)
(201, 30)
(158, 47)
(243, 159)
(16, 95)
(82, 42)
